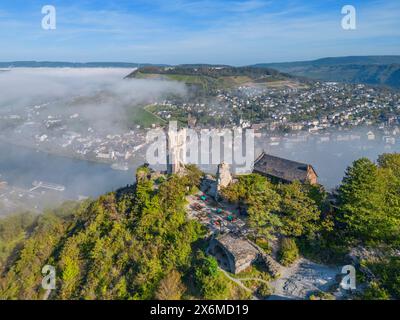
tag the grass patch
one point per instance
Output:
(177, 114)
(143, 117)
(257, 270)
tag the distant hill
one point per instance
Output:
(61, 64)
(373, 70)
(210, 77)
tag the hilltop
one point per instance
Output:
(140, 242)
(209, 78)
(372, 70)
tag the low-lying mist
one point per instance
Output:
(100, 96)
(41, 108)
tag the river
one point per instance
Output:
(21, 166)
(330, 155)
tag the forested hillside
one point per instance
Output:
(372, 70)
(137, 242)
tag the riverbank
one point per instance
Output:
(21, 166)
(58, 152)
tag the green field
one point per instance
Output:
(210, 83)
(140, 116)
(176, 113)
(203, 81)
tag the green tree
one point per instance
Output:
(246, 189)
(288, 251)
(193, 177)
(299, 214)
(170, 287)
(390, 161)
(388, 274)
(211, 282)
(366, 203)
(257, 194)
(262, 213)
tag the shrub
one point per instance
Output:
(320, 295)
(375, 292)
(214, 287)
(288, 252)
(388, 273)
(263, 244)
(170, 287)
(264, 290)
(160, 180)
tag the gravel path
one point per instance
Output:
(302, 278)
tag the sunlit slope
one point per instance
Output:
(209, 78)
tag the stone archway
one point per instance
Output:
(224, 258)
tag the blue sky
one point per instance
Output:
(192, 31)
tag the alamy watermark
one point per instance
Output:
(349, 21)
(49, 277)
(349, 280)
(49, 21)
(206, 147)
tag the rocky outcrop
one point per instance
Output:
(359, 254)
(270, 263)
(224, 177)
(272, 266)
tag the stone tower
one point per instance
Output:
(176, 149)
(224, 177)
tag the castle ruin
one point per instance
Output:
(176, 149)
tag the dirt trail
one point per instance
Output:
(240, 283)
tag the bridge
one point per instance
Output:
(47, 185)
